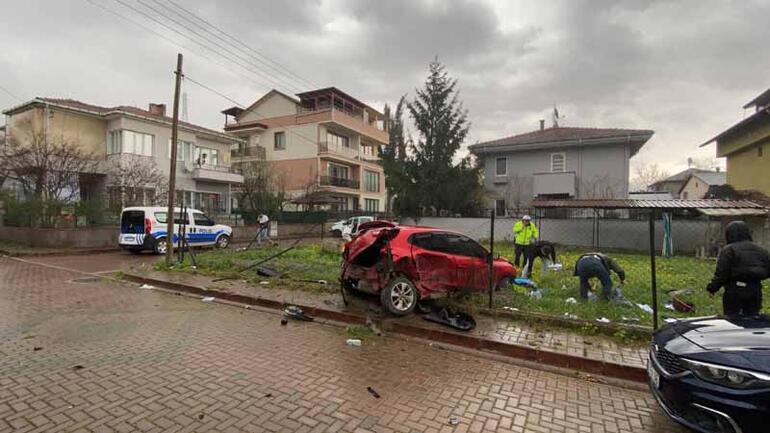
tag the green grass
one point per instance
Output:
(316, 262)
(674, 273)
(305, 262)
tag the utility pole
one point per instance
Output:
(170, 217)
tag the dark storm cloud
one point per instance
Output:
(683, 68)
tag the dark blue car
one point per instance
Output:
(713, 374)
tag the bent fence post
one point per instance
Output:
(653, 282)
(491, 255)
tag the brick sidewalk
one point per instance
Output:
(158, 362)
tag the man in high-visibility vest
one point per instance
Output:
(524, 236)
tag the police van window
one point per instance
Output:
(202, 220)
(161, 218)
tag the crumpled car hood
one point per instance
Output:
(369, 236)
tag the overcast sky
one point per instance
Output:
(681, 68)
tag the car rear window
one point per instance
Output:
(161, 218)
(132, 221)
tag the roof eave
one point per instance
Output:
(624, 139)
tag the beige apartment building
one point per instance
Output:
(131, 135)
(324, 145)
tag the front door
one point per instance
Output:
(435, 268)
(472, 265)
(202, 230)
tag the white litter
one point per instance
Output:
(146, 287)
(555, 266)
(646, 308)
(510, 309)
(323, 282)
(571, 316)
(669, 306)
(208, 299)
(603, 320)
(670, 320)
(571, 301)
(453, 420)
(355, 342)
(536, 294)
(264, 283)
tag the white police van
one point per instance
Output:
(144, 228)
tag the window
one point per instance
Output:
(501, 166)
(123, 141)
(184, 150)
(372, 181)
(178, 219)
(336, 140)
(338, 171)
(279, 141)
(500, 207)
(206, 156)
(371, 205)
(464, 246)
(202, 220)
(684, 195)
(558, 162)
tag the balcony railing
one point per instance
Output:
(257, 151)
(349, 152)
(340, 182)
(217, 173)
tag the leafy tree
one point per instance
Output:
(262, 190)
(393, 155)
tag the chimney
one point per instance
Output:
(158, 109)
(542, 124)
(719, 169)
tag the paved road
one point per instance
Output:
(157, 362)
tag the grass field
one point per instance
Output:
(317, 262)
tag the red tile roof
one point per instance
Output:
(564, 134)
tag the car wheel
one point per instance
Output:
(399, 297)
(505, 283)
(223, 241)
(160, 246)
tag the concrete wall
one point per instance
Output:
(629, 235)
(88, 132)
(273, 106)
(600, 171)
(747, 170)
(694, 188)
(97, 237)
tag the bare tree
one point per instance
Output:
(599, 187)
(645, 175)
(46, 168)
(703, 163)
(263, 189)
(135, 180)
(517, 192)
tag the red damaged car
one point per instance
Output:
(405, 264)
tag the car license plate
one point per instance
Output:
(653, 374)
(128, 239)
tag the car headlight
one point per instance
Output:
(728, 376)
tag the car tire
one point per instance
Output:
(160, 246)
(223, 242)
(399, 297)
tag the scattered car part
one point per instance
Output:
(461, 321)
(374, 393)
(295, 312)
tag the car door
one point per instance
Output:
(202, 229)
(435, 266)
(471, 259)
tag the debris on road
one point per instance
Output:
(570, 301)
(321, 282)
(295, 312)
(506, 308)
(681, 305)
(36, 348)
(208, 299)
(77, 367)
(284, 321)
(461, 321)
(453, 420)
(629, 319)
(571, 316)
(669, 306)
(646, 308)
(147, 287)
(374, 393)
(603, 320)
(264, 283)
(267, 272)
(355, 342)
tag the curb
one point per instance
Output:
(526, 353)
(72, 252)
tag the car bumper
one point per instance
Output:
(705, 407)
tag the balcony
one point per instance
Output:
(554, 184)
(340, 182)
(216, 173)
(251, 151)
(328, 149)
(345, 119)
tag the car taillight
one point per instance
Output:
(147, 226)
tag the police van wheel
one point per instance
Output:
(223, 241)
(160, 246)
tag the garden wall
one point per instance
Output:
(92, 237)
(623, 234)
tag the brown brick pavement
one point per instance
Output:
(157, 362)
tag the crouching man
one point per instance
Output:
(597, 265)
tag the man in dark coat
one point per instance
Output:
(597, 265)
(741, 267)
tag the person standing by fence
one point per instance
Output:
(263, 228)
(741, 267)
(525, 234)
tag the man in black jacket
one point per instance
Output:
(741, 267)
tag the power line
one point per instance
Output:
(150, 17)
(278, 66)
(187, 78)
(177, 44)
(258, 69)
(11, 94)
